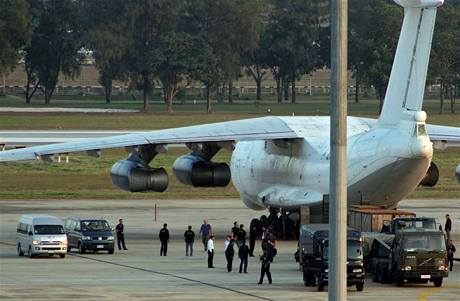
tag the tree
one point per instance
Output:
(373, 42)
(445, 53)
(15, 32)
(182, 57)
(107, 39)
(55, 45)
(229, 28)
(291, 37)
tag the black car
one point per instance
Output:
(93, 234)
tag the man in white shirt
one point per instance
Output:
(210, 248)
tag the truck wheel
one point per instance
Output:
(20, 253)
(359, 287)
(374, 274)
(320, 287)
(399, 282)
(81, 249)
(437, 282)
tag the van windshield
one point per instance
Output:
(48, 229)
(95, 225)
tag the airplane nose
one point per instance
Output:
(422, 148)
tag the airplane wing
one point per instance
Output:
(444, 136)
(247, 129)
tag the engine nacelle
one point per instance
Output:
(132, 176)
(431, 177)
(193, 170)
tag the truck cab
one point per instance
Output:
(314, 250)
(419, 256)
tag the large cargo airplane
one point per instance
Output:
(283, 162)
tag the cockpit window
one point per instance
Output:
(421, 130)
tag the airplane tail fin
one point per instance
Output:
(406, 86)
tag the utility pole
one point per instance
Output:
(337, 286)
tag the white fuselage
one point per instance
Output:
(384, 164)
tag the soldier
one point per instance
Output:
(120, 235)
(448, 226)
(240, 236)
(164, 237)
(189, 239)
(450, 254)
(243, 254)
(265, 268)
(229, 252)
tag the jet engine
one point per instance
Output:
(431, 177)
(133, 176)
(196, 171)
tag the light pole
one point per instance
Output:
(337, 265)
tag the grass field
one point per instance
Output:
(88, 177)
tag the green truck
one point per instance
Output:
(313, 256)
(416, 255)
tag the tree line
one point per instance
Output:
(172, 43)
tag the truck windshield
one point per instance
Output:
(354, 250)
(48, 229)
(95, 225)
(428, 242)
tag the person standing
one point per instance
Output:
(448, 226)
(254, 233)
(210, 248)
(235, 230)
(205, 231)
(120, 234)
(243, 254)
(240, 236)
(189, 236)
(265, 268)
(229, 252)
(164, 238)
(450, 254)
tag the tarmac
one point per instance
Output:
(139, 273)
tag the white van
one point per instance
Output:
(41, 234)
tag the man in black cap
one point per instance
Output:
(120, 234)
(164, 237)
(448, 226)
(189, 239)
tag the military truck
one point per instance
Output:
(415, 255)
(313, 256)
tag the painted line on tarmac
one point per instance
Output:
(173, 276)
(162, 273)
(425, 294)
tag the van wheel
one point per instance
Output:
(437, 282)
(69, 248)
(110, 251)
(359, 287)
(30, 253)
(20, 253)
(399, 282)
(81, 249)
(62, 255)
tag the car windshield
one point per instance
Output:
(48, 229)
(354, 250)
(426, 241)
(95, 225)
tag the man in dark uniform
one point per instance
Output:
(243, 254)
(254, 233)
(450, 254)
(229, 252)
(235, 230)
(240, 236)
(265, 268)
(164, 237)
(120, 235)
(189, 236)
(448, 226)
